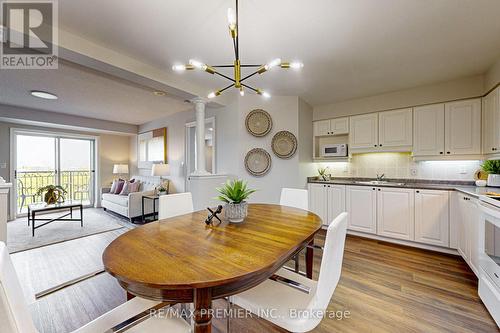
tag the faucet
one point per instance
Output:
(381, 177)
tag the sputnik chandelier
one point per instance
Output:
(237, 80)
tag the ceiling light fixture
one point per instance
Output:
(237, 79)
(43, 94)
(159, 93)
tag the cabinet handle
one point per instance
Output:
(417, 191)
(448, 152)
(380, 145)
(373, 189)
(441, 152)
(375, 145)
(379, 189)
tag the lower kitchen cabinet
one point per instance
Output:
(395, 213)
(327, 201)
(432, 224)
(466, 217)
(361, 204)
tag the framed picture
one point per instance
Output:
(152, 148)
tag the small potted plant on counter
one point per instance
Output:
(234, 193)
(322, 173)
(492, 168)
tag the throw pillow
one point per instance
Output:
(134, 187)
(125, 189)
(119, 186)
(113, 186)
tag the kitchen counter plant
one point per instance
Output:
(492, 167)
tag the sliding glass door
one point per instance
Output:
(43, 159)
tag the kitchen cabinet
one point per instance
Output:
(361, 204)
(327, 201)
(432, 217)
(337, 126)
(395, 213)
(363, 131)
(467, 219)
(463, 127)
(448, 129)
(491, 122)
(395, 128)
(428, 131)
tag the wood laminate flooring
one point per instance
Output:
(385, 287)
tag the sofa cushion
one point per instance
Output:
(121, 200)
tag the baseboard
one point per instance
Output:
(406, 243)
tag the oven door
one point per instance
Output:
(489, 254)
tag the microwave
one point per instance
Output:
(334, 150)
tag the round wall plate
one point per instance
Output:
(258, 123)
(258, 162)
(284, 144)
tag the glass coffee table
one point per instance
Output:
(38, 208)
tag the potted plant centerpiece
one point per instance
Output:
(492, 168)
(53, 194)
(234, 193)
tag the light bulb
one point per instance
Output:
(197, 64)
(266, 94)
(179, 68)
(296, 65)
(231, 19)
(242, 92)
(273, 63)
(211, 95)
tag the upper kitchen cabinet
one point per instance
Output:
(463, 127)
(395, 128)
(428, 130)
(448, 131)
(363, 131)
(337, 126)
(491, 122)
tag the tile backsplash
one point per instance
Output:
(401, 165)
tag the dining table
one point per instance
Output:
(184, 260)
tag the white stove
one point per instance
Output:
(489, 255)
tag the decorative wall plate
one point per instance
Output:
(258, 162)
(284, 144)
(258, 123)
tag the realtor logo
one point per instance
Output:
(30, 37)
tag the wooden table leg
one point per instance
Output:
(309, 260)
(202, 310)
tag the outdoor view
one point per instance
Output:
(43, 160)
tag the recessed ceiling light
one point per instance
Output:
(43, 94)
(159, 93)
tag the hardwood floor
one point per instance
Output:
(385, 287)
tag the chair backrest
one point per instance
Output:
(331, 263)
(294, 197)
(15, 316)
(171, 205)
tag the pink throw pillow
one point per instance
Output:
(119, 187)
(134, 187)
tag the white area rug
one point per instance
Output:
(95, 221)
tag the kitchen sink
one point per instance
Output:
(379, 182)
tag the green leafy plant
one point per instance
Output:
(234, 191)
(491, 167)
(322, 172)
(53, 193)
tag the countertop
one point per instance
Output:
(472, 190)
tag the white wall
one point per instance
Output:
(468, 87)
(233, 142)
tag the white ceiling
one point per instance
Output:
(350, 48)
(87, 93)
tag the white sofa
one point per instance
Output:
(130, 205)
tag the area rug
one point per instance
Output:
(94, 221)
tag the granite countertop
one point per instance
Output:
(466, 187)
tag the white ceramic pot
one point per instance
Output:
(236, 213)
(494, 180)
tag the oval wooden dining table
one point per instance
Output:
(182, 260)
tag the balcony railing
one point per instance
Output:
(78, 184)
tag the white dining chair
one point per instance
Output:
(15, 316)
(298, 198)
(274, 298)
(294, 197)
(174, 205)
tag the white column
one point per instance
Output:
(4, 193)
(199, 107)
